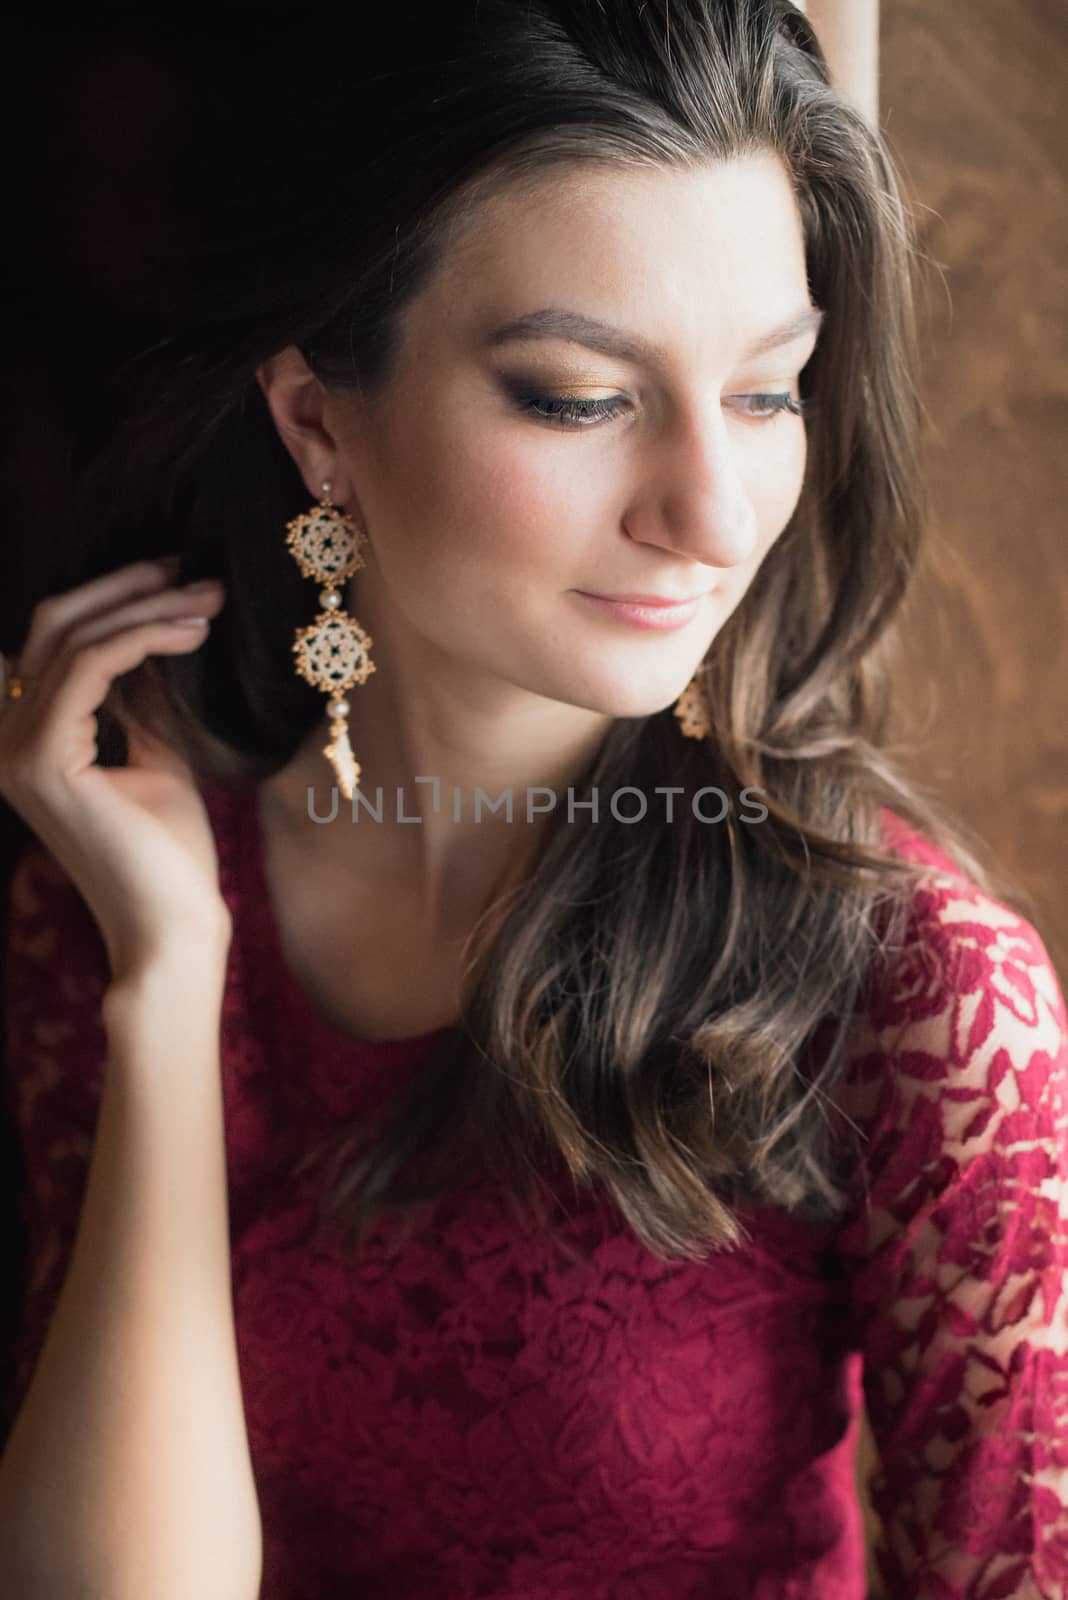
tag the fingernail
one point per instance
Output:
(205, 586)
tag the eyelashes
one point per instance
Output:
(568, 411)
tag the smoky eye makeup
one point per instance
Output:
(548, 403)
(561, 401)
(560, 381)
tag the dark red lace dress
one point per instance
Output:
(486, 1416)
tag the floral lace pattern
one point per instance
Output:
(958, 1262)
(485, 1415)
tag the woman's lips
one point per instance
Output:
(664, 618)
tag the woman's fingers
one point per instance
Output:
(52, 734)
(78, 643)
(169, 605)
(53, 615)
(136, 841)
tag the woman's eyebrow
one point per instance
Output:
(554, 322)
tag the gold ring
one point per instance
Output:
(15, 686)
(18, 688)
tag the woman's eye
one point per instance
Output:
(569, 411)
(761, 406)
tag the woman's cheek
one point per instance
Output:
(523, 509)
(779, 487)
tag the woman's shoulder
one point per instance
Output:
(966, 1031)
(961, 941)
(902, 838)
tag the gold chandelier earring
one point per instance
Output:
(331, 652)
(691, 708)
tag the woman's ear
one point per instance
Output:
(296, 400)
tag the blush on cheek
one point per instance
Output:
(508, 501)
(511, 478)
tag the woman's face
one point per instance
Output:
(503, 479)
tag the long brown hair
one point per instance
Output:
(662, 1009)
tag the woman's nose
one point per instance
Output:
(698, 502)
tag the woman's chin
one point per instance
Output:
(639, 703)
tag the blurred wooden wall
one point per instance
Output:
(974, 97)
(974, 102)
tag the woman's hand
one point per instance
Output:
(136, 840)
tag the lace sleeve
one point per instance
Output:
(957, 1255)
(55, 975)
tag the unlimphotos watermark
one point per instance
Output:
(629, 804)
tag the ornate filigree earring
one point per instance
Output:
(691, 708)
(331, 652)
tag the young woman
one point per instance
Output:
(489, 1139)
